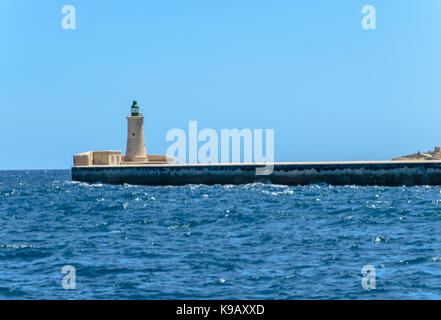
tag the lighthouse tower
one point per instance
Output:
(135, 151)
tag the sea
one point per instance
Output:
(62, 239)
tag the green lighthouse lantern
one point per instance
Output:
(135, 109)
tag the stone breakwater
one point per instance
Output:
(384, 173)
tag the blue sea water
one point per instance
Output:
(255, 241)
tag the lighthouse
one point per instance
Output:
(135, 151)
(136, 154)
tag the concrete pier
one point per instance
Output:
(138, 167)
(383, 173)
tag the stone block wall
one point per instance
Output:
(107, 158)
(83, 159)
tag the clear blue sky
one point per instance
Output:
(330, 89)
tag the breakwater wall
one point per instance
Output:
(384, 173)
